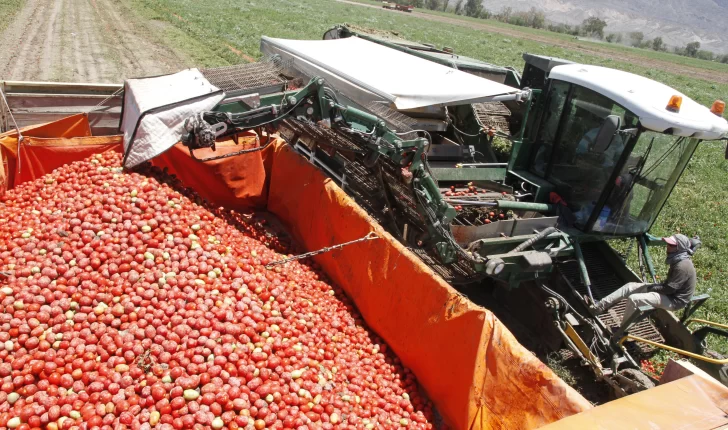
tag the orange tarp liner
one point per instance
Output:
(692, 402)
(15, 169)
(470, 365)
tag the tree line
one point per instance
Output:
(592, 27)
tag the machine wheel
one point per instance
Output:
(633, 381)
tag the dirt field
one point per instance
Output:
(708, 75)
(84, 41)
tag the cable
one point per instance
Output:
(464, 133)
(20, 135)
(428, 136)
(114, 94)
(662, 157)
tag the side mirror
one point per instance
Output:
(606, 133)
(334, 33)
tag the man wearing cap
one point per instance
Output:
(672, 294)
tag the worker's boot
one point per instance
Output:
(596, 308)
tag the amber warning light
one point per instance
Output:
(718, 107)
(674, 104)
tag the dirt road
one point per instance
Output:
(84, 41)
(708, 75)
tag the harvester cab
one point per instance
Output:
(595, 154)
(611, 144)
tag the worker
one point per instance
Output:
(672, 294)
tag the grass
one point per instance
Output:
(699, 204)
(8, 9)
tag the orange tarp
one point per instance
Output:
(71, 127)
(469, 364)
(472, 367)
(234, 182)
(692, 402)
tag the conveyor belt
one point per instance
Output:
(493, 114)
(605, 281)
(365, 185)
(261, 75)
(453, 273)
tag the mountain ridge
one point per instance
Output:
(678, 22)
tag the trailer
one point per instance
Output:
(397, 6)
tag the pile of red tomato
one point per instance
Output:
(126, 300)
(653, 369)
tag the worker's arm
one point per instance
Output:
(676, 279)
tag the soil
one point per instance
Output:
(693, 72)
(99, 41)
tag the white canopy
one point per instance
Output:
(376, 72)
(155, 110)
(647, 99)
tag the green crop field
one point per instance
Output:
(223, 30)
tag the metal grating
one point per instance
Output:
(449, 272)
(491, 108)
(497, 122)
(403, 197)
(322, 135)
(248, 76)
(362, 184)
(361, 177)
(398, 121)
(493, 114)
(604, 282)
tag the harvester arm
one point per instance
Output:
(317, 105)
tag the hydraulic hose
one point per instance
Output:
(543, 233)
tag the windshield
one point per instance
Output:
(644, 183)
(566, 155)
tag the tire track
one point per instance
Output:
(79, 72)
(48, 65)
(135, 42)
(22, 32)
(91, 37)
(83, 41)
(116, 40)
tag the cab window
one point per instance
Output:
(579, 172)
(554, 108)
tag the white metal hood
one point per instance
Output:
(377, 72)
(647, 99)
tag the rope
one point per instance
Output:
(114, 94)
(20, 135)
(369, 236)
